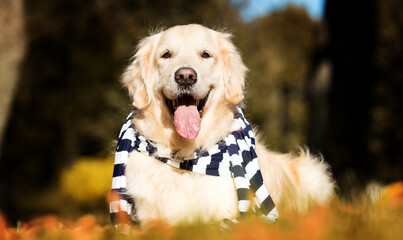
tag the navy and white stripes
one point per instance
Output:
(235, 155)
(121, 205)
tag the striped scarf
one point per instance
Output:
(234, 155)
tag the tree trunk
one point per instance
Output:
(12, 43)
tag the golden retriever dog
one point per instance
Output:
(186, 83)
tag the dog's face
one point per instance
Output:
(186, 62)
(187, 73)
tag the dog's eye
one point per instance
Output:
(167, 54)
(205, 54)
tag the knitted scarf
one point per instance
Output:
(234, 155)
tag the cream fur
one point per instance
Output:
(161, 192)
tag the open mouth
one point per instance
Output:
(186, 100)
(186, 112)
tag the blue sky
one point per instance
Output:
(257, 8)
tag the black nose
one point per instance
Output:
(185, 77)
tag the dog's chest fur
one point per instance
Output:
(164, 192)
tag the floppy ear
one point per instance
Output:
(234, 69)
(136, 78)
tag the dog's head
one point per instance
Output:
(186, 71)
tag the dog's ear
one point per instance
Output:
(234, 69)
(136, 78)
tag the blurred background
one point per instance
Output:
(323, 74)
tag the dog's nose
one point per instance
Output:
(185, 77)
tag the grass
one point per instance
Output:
(361, 218)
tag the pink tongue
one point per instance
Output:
(187, 121)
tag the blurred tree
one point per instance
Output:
(278, 56)
(364, 53)
(12, 43)
(317, 91)
(386, 136)
(350, 47)
(66, 96)
(12, 48)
